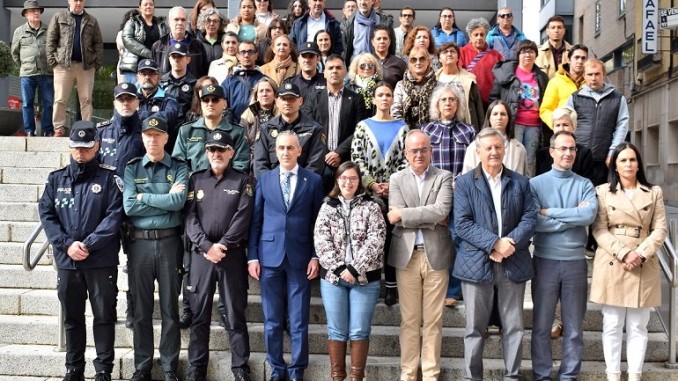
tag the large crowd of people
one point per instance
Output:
(446, 163)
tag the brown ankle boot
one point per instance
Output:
(337, 350)
(358, 359)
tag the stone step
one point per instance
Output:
(43, 363)
(19, 211)
(36, 176)
(19, 232)
(19, 193)
(33, 159)
(42, 330)
(43, 144)
(46, 303)
(11, 253)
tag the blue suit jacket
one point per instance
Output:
(277, 233)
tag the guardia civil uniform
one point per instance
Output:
(155, 251)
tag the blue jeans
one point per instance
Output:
(529, 136)
(454, 287)
(129, 77)
(553, 280)
(349, 309)
(45, 85)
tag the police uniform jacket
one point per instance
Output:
(219, 210)
(311, 138)
(157, 209)
(181, 89)
(307, 87)
(120, 140)
(190, 145)
(82, 203)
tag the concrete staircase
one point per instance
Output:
(29, 306)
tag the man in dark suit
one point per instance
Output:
(338, 110)
(420, 199)
(281, 255)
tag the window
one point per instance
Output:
(622, 7)
(598, 18)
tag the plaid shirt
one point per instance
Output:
(449, 142)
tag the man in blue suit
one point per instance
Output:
(281, 254)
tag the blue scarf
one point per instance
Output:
(362, 29)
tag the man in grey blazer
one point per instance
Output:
(420, 199)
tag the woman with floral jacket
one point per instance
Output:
(349, 240)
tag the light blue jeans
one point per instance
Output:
(349, 309)
(529, 136)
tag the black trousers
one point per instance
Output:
(98, 285)
(230, 277)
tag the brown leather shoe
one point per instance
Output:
(60, 133)
(359, 350)
(450, 302)
(556, 331)
(337, 351)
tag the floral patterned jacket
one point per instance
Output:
(367, 231)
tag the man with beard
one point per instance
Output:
(359, 28)
(566, 81)
(153, 101)
(554, 51)
(238, 86)
(177, 21)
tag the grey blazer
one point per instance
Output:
(425, 213)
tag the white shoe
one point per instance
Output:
(613, 376)
(634, 376)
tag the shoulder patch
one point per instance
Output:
(323, 138)
(107, 166)
(104, 123)
(119, 182)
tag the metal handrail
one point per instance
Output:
(668, 260)
(29, 264)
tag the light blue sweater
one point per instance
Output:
(561, 233)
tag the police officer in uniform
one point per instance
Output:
(120, 142)
(153, 101)
(190, 146)
(153, 197)
(178, 83)
(218, 215)
(310, 133)
(81, 211)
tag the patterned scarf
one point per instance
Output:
(416, 107)
(281, 68)
(366, 88)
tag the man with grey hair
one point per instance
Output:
(75, 51)
(504, 37)
(359, 27)
(177, 21)
(495, 238)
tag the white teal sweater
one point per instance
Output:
(561, 233)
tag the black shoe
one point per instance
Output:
(171, 376)
(391, 297)
(196, 375)
(186, 319)
(241, 375)
(73, 375)
(102, 376)
(140, 376)
(222, 321)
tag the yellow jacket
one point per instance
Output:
(557, 92)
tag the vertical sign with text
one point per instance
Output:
(650, 37)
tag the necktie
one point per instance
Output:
(287, 189)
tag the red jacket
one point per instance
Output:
(482, 69)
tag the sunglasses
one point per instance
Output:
(217, 149)
(418, 59)
(505, 16)
(364, 66)
(210, 100)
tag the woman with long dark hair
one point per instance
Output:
(629, 229)
(349, 240)
(138, 36)
(446, 30)
(275, 29)
(413, 93)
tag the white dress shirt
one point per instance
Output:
(495, 189)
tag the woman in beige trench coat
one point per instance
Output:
(630, 228)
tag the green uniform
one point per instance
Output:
(190, 145)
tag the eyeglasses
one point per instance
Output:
(414, 60)
(564, 150)
(418, 151)
(449, 51)
(447, 16)
(347, 179)
(210, 100)
(505, 16)
(276, 28)
(407, 15)
(528, 52)
(218, 149)
(364, 66)
(247, 52)
(213, 21)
